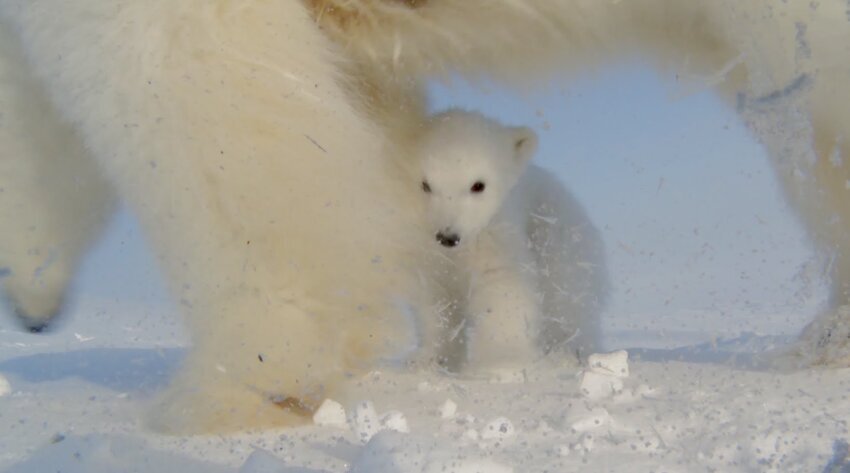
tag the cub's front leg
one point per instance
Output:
(503, 308)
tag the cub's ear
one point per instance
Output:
(525, 143)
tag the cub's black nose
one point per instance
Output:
(448, 240)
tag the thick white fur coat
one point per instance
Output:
(525, 268)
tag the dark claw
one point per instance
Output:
(36, 328)
(32, 326)
(448, 240)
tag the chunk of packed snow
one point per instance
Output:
(595, 385)
(544, 428)
(585, 443)
(499, 428)
(331, 414)
(395, 421)
(364, 421)
(631, 395)
(644, 390)
(625, 396)
(448, 409)
(614, 363)
(5, 386)
(582, 418)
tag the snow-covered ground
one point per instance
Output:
(76, 407)
(72, 400)
(702, 285)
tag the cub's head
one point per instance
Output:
(468, 165)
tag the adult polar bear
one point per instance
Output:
(251, 137)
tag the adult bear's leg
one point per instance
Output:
(279, 224)
(53, 200)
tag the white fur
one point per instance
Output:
(226, 127)
(784, 65)
(251, 142)
(527, 272)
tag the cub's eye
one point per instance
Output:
(477, 188)
(426, 187)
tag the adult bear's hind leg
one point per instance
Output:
(53, 200)
(826, 340)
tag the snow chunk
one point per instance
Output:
(585, 444)
(330, 413)
(544, 428)
(595, 386)
(613, 364)
(5, 386)
(448, 410)
(630, 395)
(364, 421)
(604, 375)
(395, 421)
(499, 428)
(581, 418)
(644, 390)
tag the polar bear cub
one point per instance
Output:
(524, 270)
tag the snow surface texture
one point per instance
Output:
(666, 410)
(72, 402)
